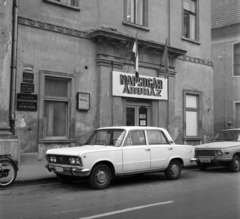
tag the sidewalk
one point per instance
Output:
(33, 172)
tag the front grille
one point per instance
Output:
(61, 159)
(205, 153)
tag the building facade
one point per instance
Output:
(74, 73)
(226, 58)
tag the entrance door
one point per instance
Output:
(137, 116)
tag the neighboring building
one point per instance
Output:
(74, 72)
(226, 59)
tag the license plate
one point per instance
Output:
(205, 161)
(59, 169)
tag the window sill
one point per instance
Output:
(56, 140)
(191, 41)
(63, 5)
(135, 25)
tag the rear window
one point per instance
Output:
(156, 137)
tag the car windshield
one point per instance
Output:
(107, 137)
(229, 135)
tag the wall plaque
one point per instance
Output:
(83, 101)
(27, 88)
(28, 77)
(27, 102)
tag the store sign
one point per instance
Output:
(125, 85)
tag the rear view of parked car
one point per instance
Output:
(223, 151)
(118, 151)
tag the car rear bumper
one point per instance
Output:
(68, 170)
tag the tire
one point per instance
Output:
(8, 172)
(64, 179)
(174, 170)
(100, 177)
(235, 164)
(202, 167)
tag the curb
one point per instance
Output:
(35, 181)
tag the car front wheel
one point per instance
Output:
(174, 170)
(235, 164)
(100, 177)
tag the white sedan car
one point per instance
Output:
(223, 151)
(118, 151)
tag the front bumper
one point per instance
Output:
(206, 160)
(67, 170)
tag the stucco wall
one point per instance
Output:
(195, 77)
(47, 50)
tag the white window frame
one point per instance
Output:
(235, 113)
(198, 95)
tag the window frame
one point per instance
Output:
(197, 94)
(196, 14)
(71, 110)
(233, 62)
(145, 16)
(235, 113)
(56, 2)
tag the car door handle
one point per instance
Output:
(170, 148)
(148, 149)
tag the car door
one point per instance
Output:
(136, 154)
(160, 148)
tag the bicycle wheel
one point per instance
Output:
(8, 173)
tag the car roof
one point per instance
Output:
(132, 127)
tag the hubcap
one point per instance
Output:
(175, 170)
(101, 176)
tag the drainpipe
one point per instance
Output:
(13, 67)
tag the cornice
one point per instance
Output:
(112, 35)
(196, 60)
(51, 27)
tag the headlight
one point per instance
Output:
(52, 159)
(218, 153)
(75, 161)
(72, 160)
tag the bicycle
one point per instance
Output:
(8, 170)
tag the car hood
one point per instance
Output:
(219, 144)
(79, 150)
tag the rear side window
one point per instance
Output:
(156, 137)
(135, 138)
